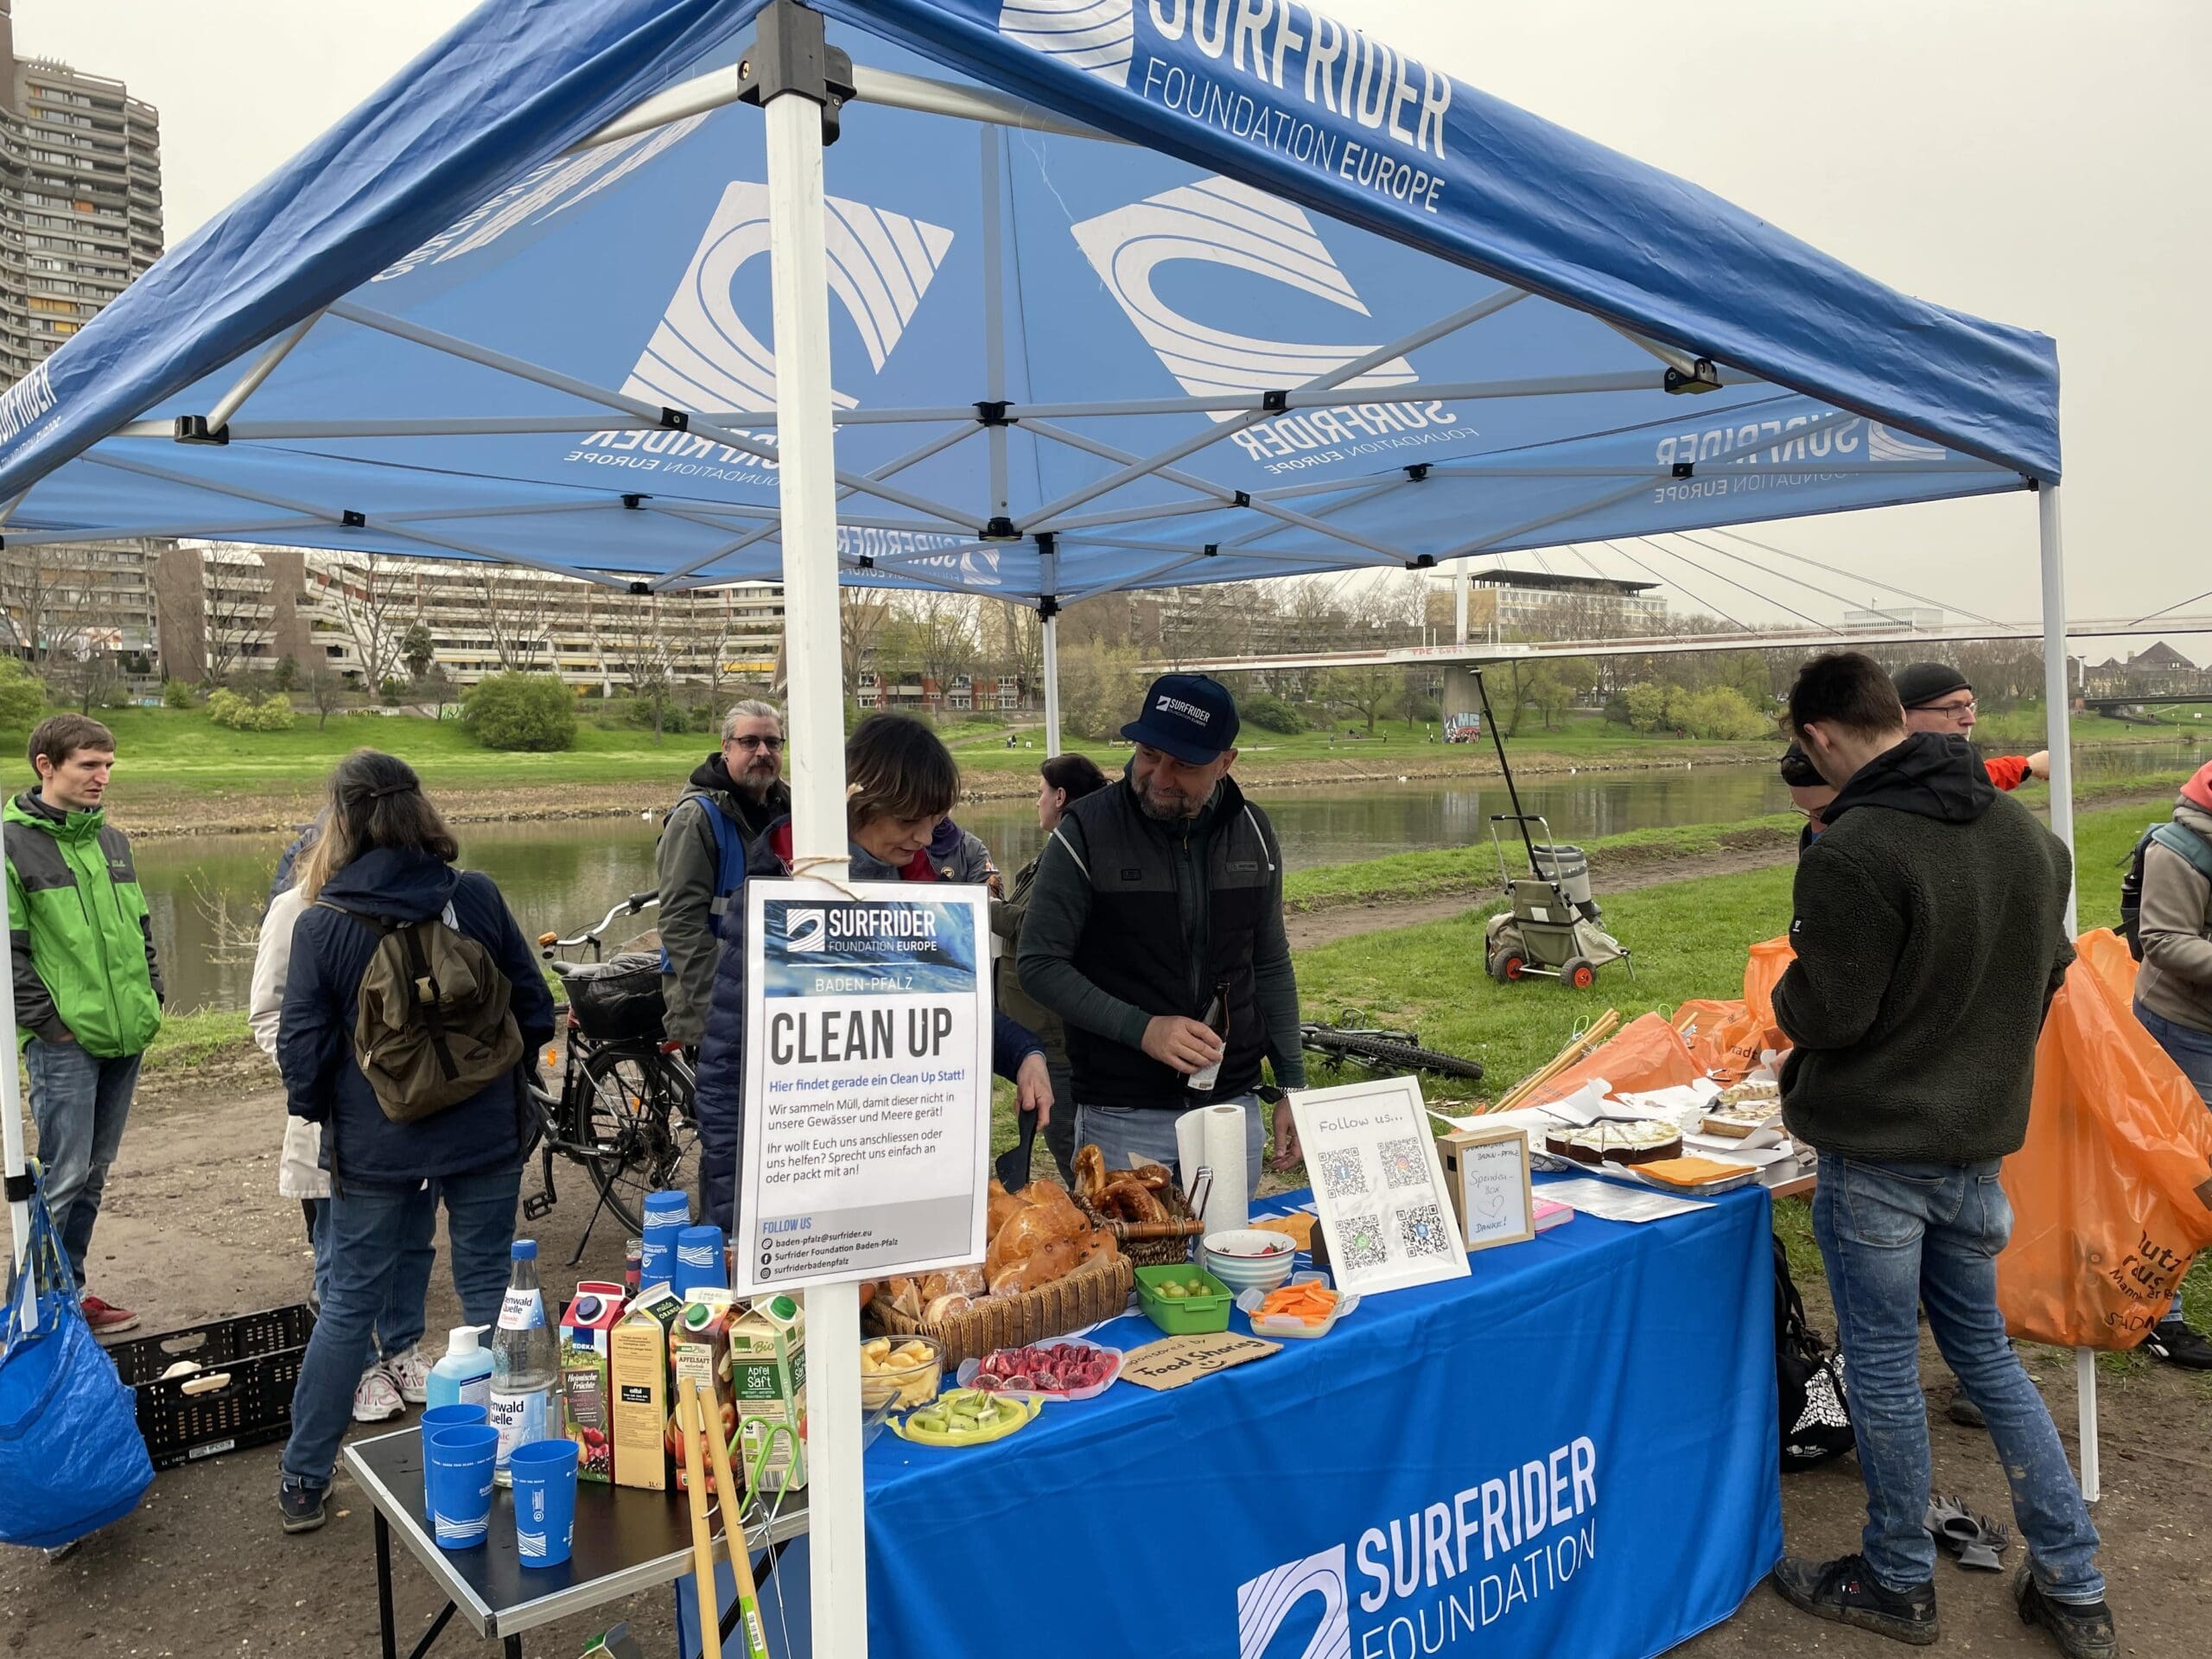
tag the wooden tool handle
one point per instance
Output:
(731, 1497)
(691, 1413)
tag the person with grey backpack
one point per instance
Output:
(410, 1004)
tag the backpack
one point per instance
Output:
(431, 1025)
(729, 869)
(2174, 838)
(1815, 1416)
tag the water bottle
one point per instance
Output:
(1201, 1082)
(525, 1361)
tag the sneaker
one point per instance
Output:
(2175, 1343)
(410, 1374)
(301, 1505)
(375, 1397)
(1844, 1590)
(2081, 1629)
(1963, 1412)
(106, 1321)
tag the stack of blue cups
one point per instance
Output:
(667, 1214)
(700, 1259)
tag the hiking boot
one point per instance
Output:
(106, 1321)
(1844, 1590)
(2081, 1629)
(301, 1505)
(2175, 1343)
(1963, 1412)
(375, 1397)
(410, 1374)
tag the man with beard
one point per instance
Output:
(1154, 931)
(736, 794)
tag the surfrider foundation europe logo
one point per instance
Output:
(704, 357)
(1098, 36)
(1264, 1603)
(805, 930)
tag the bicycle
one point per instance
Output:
(1350, 1040)
(623, 1111)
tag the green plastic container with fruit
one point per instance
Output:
(1184, 1301)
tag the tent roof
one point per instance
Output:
(1320, 306)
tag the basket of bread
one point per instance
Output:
(1048, 1270)
(1142, 1207)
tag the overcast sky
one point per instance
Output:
(2045, 163)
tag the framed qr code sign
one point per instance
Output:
(1378, 1185)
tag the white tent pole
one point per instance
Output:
(2059, 739)
(264, 366)
(799, 290)
(1048, 583)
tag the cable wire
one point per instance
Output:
(1886, 587)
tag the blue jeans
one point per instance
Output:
(372, 1230)
(1897, 1237)
(1132, 1135)
(80, 1103)
(2191, 1049)
(399, 1326)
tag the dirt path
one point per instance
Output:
(194, 1231)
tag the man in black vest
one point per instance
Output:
(1156, 899)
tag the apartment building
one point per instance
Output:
(80, 199)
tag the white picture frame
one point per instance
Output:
(1378, 1185)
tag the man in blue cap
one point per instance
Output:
(1155, 932)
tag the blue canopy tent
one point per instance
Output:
(1127, 292)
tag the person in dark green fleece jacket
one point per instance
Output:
(88, 988)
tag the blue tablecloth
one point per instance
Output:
(1573, 1451)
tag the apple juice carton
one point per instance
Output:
(587, 1383)
(767, 1362)
(640, 1402)
(698, 1352)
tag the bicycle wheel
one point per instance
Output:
(1373, 1050)
(640, 1127)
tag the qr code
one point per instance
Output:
(1342, 1174)
(1421, 1230)
(1362, 1241)
(1402, 1163)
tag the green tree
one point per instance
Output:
(286, 675)
(416, 648)
(532, 712)
(23, 696)
(1646, 706)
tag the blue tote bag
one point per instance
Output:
(72, 1460)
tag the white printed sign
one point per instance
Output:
(868, 1082)
(1378, 1186)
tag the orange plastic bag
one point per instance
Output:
(1722, 1036)
(1770, 960)
(1645, 1054)
(2112, 1193)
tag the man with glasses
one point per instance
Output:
(1937, 699)
(733, 795)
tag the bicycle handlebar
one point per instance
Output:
(630, 907)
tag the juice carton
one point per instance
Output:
(767, 1354)
(586, 1391)
(698, 1349)
(638, 1367)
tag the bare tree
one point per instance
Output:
(1017, 646)
(943, 637)
(518, 613)
(375, 601)
(861, 617)
(630, 635)
(326, 691)
(234, 608)
(79, 637)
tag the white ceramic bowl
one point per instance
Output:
(1249, 1258)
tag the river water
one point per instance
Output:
(206, 893)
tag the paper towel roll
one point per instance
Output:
(1213, 1136)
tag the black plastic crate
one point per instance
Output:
(241, 1395)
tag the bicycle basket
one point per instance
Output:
(618, 1000)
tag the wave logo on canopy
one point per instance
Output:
(1264, 1603)
(703, 357)
(1220, 222)
(1882, 444)
(1098, 35)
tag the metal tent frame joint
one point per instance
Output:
(675, 420)
(1417, 472)
(991, 411)
(1684, 469)
(633, 502)
(790, 54)
(194, 428)
(1703, 378)
(1000, 528)
(350, 519)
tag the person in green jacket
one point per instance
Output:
(88, 988)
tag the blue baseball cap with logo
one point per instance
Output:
(1187, 715)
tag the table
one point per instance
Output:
(626, 1541)
(1573, 1451)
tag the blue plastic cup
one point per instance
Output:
(544, 1475)
(657, 1251)
(457, 1466)
(701, 1259)
(438, 1417)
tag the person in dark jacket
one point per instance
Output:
(1937, 698)
(734, 795)
(1930, 930)
(900, 783)
(1157, 899)
(391, 857)
(1061, 781)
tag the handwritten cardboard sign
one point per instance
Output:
(1173, 1361)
